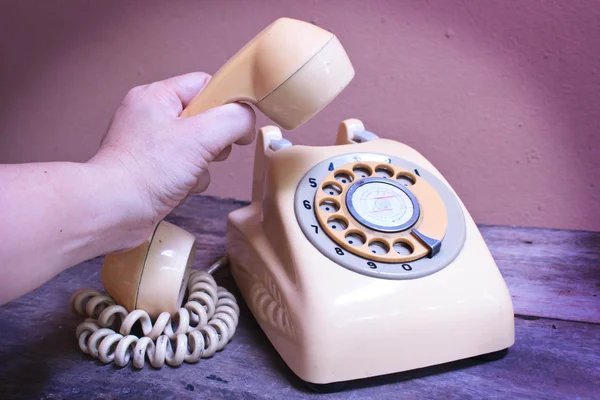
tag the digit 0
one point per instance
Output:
(406, 267)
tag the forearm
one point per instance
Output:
(56, 215)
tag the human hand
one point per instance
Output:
(163, 157)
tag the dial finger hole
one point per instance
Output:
(402, 248)
(332, 189)
(355, 239)
(405, 180)
(343, 178)
(383, 172)
(329, 206)
(378, 247)
(361, 171)
(337, 224)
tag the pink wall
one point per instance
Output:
(504, 96)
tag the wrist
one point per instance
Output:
(126, 217)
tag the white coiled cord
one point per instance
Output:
(205, 324)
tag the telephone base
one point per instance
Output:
(324, 280)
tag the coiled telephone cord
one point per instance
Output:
(205, 324)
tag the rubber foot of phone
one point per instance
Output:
(496, 355)
(326, 387)
(341, 386)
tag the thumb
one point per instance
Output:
(220, 127)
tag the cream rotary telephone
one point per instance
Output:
(356, 259)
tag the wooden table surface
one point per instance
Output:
(553, 276)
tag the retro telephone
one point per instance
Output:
(356, 259)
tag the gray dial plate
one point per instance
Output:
(304, 207)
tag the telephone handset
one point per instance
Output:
(289, 71)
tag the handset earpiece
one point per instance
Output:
(290, 71)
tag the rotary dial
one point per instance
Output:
(376, 211)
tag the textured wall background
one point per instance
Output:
(503, 96)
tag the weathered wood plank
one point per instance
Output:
(550, 273)
(39, 357)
